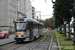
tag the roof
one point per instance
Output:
(30, 20)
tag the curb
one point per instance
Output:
(7, 43)
(58, 43)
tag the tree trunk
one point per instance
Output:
(60, 29)
(64, 30)
(69, 30)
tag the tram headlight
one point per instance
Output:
(16, 35)
(19, 35)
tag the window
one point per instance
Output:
(13, 0)
(19, 4)
(24, 8)
(19, 0)
(19, 10)
(20, 26)
(24, 3)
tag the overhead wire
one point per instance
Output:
(46, 5)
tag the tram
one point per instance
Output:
(27, 29)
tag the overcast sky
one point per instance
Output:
(44, 7)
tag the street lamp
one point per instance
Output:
(74, 23)
(37, 18)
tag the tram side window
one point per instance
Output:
(40, 28)
(35, 28)
(27, 25)
(31, 26)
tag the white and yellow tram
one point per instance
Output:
(27, 29)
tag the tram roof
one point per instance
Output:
(29, 20)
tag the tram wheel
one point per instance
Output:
(7, 36)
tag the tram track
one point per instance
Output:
(45, 45)
(31, 45)
(11, 46)
(50, 45)
(14, 45)
(37, 43)
(20, 46)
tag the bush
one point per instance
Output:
(68, 39)
(11, 32)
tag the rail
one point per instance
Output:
(50, 45)
(37, 43)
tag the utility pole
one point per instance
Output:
(37, 18)
(39, 14)
(74, 23)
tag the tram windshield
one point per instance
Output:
(20, 26)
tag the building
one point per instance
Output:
(24, 8)
(8, 12)
(33, 13)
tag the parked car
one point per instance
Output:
(58, 29)
(67, 30)
(72, 31)
(62, 30)
(4, 34)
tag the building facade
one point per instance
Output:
(24, 8)
(8, 12)
(33, 12)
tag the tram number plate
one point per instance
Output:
(19, 35)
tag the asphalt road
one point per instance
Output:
(7, 40)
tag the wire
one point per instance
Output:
(45, 1)
(46, 4)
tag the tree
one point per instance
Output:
(52, 21)
(42, 21)
(47, 23)
(63, 9)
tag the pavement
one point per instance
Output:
(42, 46)
(54, 46)
(7, 40)
(26, 46)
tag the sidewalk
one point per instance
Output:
(65, 42)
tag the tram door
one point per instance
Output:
(31, 30)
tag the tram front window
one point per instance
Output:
(20, 26)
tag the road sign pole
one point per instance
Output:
(64, 28)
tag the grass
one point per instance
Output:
(60, 36)
(11, 32)
(48, 39)
(67, 46)
(65, 42)
(49, 33)
(37, 40)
